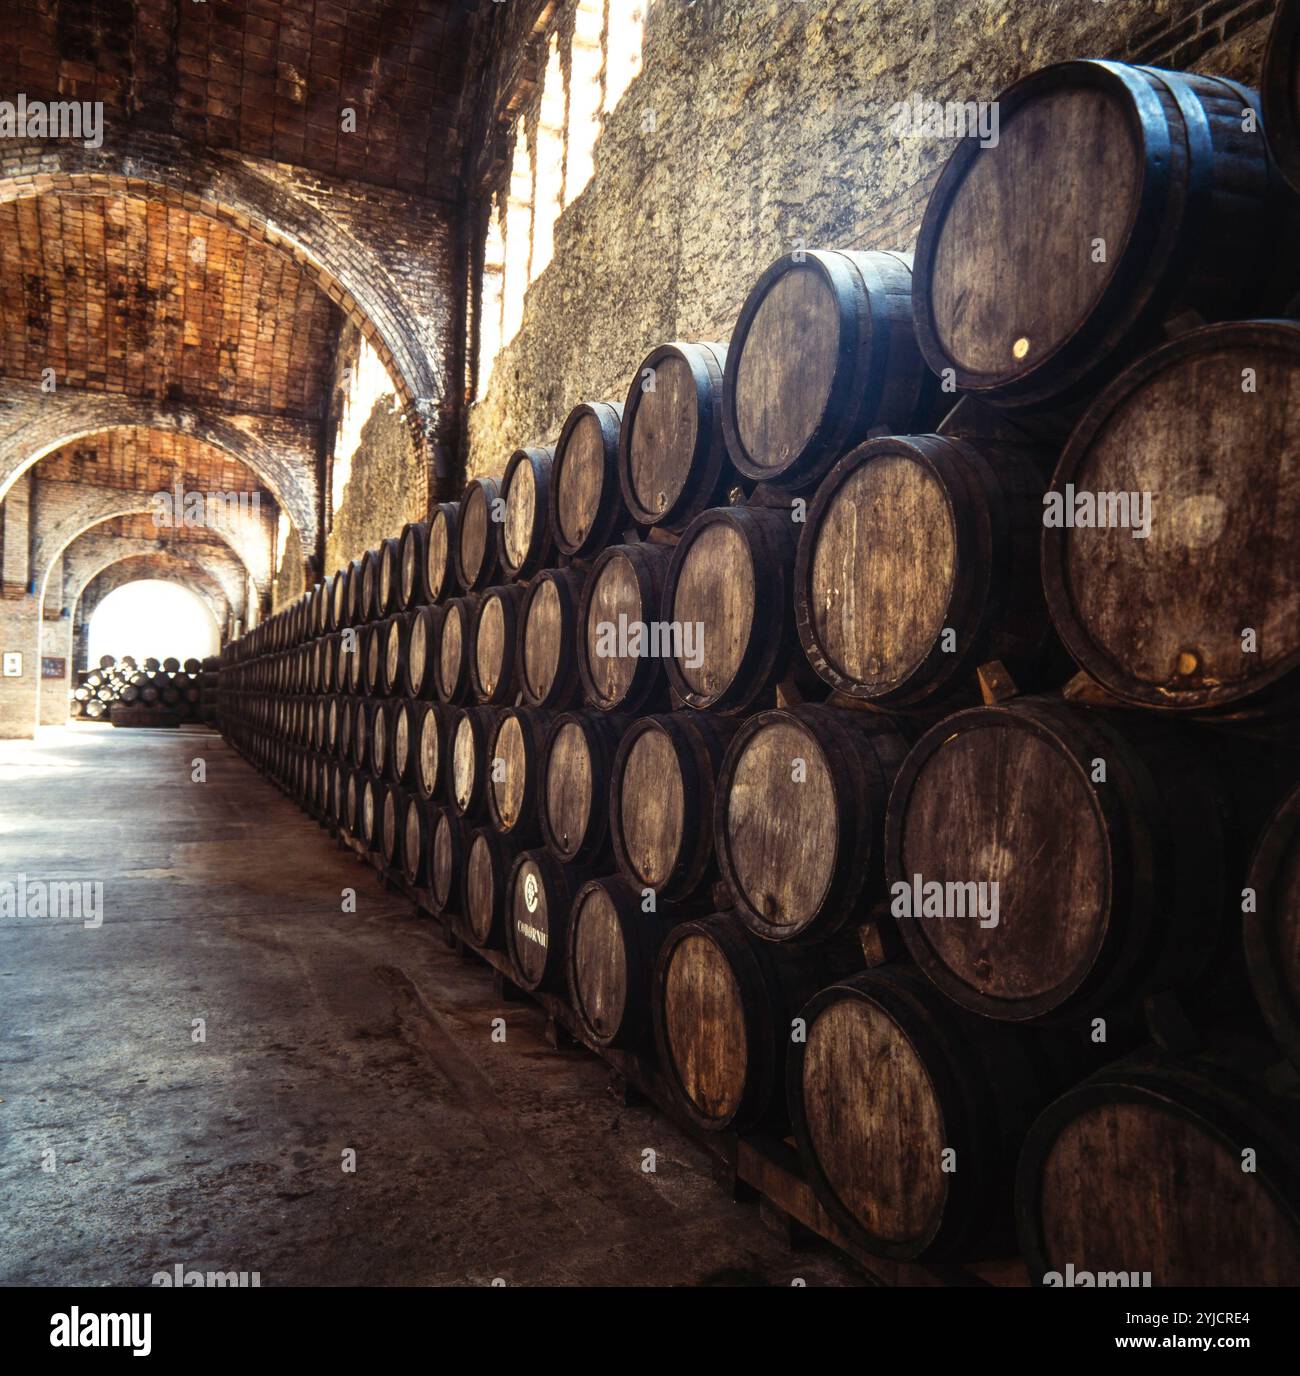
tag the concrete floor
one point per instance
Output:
(325, 1031)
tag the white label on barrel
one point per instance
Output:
(530, 892)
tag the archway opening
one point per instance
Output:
(152, 617)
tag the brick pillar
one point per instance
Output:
(56, 643)
(19, 633)
(15, 537)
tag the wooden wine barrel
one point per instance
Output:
(526, 540)
(538, 895)
(413, 562)
(361, 733)
(824, 352)
(369, 605)
(1048, 259)
(428, 738)
(918, 562)
(422, 651)
(373, 792)
(391, 827)
(1142, 1171)
(343, 778)
(495, 632)
(609, 960)
(477, 552)
(390, 577)
(661, 800)
(397, 631)
(889, 1077)
(468, 733)
(730, 589)
(1279, 90)
(353, 818)
(347, 720)
(577, 769)
(1159, 621)
(338, 617)
(354, 655)
(586, 508)
(487, 862)
(372, 649)
(547, 644)
(353, 610)
(1272, 925)
(440, 574)
(799, 821)
(401, 767)
(446, 859)
(515, 750)
(379, 738)
(1109, 888)
(621, 637)
(723, 1005)
(414, 821)
(672, 457)
(451, 679)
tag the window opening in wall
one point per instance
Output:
(518, 237)
(623, 48)
(366, 381)
(548, 195)
(586, 95)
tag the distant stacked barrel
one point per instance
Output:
(156, 688)
(885, 667)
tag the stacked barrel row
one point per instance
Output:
(965, 580)
(162, 687)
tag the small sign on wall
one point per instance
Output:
(54, 668)
(13, 664)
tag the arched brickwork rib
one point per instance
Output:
(281, 453)
(94, 506)
(170, 568)
(90, 555)
(266, 203)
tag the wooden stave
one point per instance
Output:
(394, 811)
(443, 814)
(773, 545)
(881, 379)
(431, 617)
(1154, 866)
(480, 721)
(647, 690)
(610, 513)
(415, 867)
(699, 743)
(994, 495)
(602, 733)
(402, 773)
(541, 545)
(394, 667)
(388, 585)
(863, 753)
(422, 710)
(1164, 108)
(710, 472)
(565, 690)
(457, 691)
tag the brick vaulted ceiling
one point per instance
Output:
(150, 461)
(125, 295)
(268, 78)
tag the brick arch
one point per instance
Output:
(229, 187)
(34, 424)
(106, 504)
(166, 566)
(90, 555)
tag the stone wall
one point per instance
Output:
(755, 126)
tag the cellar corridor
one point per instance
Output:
(324, 1032)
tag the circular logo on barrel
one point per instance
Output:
(530, 892)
